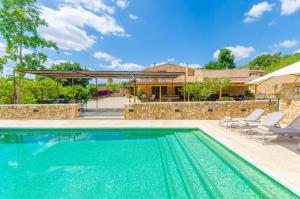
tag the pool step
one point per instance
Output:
(175, 185)
(237, 178)
(261, 184)
(193, 184)
(209, 184)
(214, 169)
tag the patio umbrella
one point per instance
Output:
(289, 74)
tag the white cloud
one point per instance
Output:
(117, 63)
(297, 51)
(180, 64)
(7, 70)
(121, 3)
(95, 5)
(133, 17)
(191, 65)
(67, 53)
(51, 62)
(159, 63)
(171, 59)
(2, 49)
(125, 66)
(289, 7)
(8, 67)
(257, 10)
(239, 52)
(287, 44)
(104, 56)
(65, 27)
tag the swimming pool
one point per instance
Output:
(126, 163)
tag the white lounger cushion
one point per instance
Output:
(237, 122)
(270, 121)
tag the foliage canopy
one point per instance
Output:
(271, 62)
(19, 22)
(70, 66)
(201, 90)
(225, 60)
(45, 89)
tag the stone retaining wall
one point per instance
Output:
(39, 111)
(291, 110)
(289, 102)
(194, 110)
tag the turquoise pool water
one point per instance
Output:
(126, 163)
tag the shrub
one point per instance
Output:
(202, 90)
(248, 93)
(226, 99)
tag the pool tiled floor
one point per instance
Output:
(279, 158)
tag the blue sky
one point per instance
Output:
(132, 34)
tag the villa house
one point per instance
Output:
(166, 88)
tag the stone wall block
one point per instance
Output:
(194, 110)
(39, 111)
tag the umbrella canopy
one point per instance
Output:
(289, 74)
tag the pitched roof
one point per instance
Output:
(167, 67)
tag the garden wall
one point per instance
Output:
(39, 111)
(194, 110)
(289, 102)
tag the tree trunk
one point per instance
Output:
(21, 62)
(19, 78)
(19, 91)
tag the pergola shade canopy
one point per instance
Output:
(289, 74)
(103, 74)
(75, 74)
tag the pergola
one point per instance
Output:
(75, 74)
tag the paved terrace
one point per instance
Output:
(279, 158)
(108, 102)
(108, 108)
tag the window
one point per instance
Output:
(156, 91)
(297, 89)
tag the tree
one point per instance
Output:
(70, 66)
(225, 60)
(286, 60)
(271, 62)
(6, 88)
(19, 21)
(262, 61)
(201, 90)
(42, 90)
(213, 65)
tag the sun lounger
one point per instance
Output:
(292, 130)
(232, 122)
(270, 121)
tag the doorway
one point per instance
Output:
(155, 91)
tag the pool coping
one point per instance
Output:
(251, 151)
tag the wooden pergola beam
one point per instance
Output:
(75, 74)
(103, 74)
